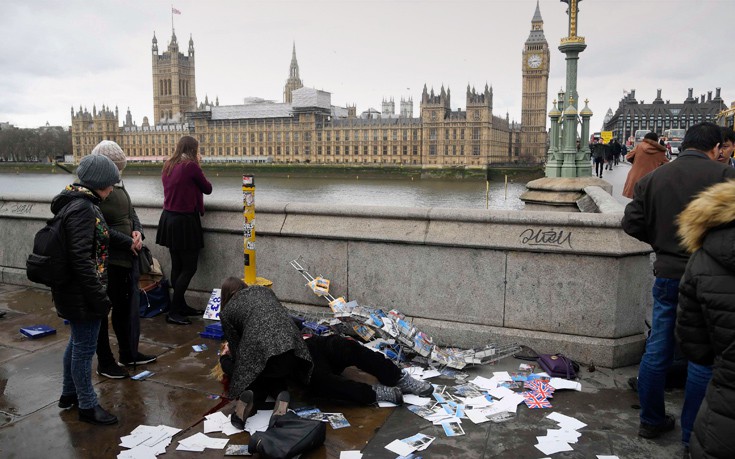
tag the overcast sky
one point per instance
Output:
(58, 54)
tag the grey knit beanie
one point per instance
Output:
(113, 151)
(97, 172)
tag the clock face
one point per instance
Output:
(534, 61)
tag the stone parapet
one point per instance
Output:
(558, 281)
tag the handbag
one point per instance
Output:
(145, 259)
(289, 436)
(154, 299)
(558, 365)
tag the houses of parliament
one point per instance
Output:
(307, 128)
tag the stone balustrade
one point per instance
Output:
(556, 281)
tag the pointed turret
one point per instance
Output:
(154, 47)
(293, 82)
(191, 46)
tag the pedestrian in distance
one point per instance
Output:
(83, 301)
(609, 156)
(623, 151)
(616, 149)
(266, 351)
(122, 275)
(705, 320)
(180, 227)
(658, 199)
(645, 157)
(598, 156)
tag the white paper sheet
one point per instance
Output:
(500, 392)
(477, 416)
(606, 457)
(412, 399)
(553, 446)
(566, 422)
(502, 376)
(477, 401)
(386, 405)
(139, 452)
(430, 374)
(484, 383)
(350, 455)
(258, 422)
(561, 383)
(400, 448)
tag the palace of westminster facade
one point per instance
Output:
(306, 128)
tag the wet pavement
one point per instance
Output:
(181, 393)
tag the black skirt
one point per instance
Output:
(179, 231)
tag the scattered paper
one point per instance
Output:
(606, 457)
(350, 455)
(484, 383)
(411, 399)
(502, 376)
(386, 405)
(500, 392)
(400, 448)
(560, 383)
(566, 422)
(452, 428)
(258, 422)
(430, 374)
(551, 446)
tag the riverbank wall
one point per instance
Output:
(573, 283)
(387, 171)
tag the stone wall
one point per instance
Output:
(556, 281)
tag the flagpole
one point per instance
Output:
(172, 19)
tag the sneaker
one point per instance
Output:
(68, 401)
(411, 385)
(141, 359)
(280, 408)
(243, 408)
(653, 431)
(388, 394)
(113, 371)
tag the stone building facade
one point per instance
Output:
(659, 115)
(307, 128)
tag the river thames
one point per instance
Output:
(400, 192)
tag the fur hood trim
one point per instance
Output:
(713, 207)
(655, 145)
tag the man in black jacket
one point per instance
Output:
(658, 199)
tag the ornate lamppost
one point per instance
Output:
(566, 161)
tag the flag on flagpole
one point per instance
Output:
(175, 11)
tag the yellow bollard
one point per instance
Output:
(248, 204)
(248, 213)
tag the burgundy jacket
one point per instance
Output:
(183, 188)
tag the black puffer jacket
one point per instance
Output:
(87, 240)
(705, 325)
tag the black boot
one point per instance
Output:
(97, 415)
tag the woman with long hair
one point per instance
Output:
(180, 227)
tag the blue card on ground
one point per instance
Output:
(37, 331)
(142, 375)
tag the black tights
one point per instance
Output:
(119, 290)
(183, 268)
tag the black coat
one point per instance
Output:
(87, 240)
(705, 325)
(659, 198)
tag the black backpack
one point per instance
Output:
(48, 264)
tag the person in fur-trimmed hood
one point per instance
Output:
(705, 325)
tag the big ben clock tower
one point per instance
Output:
(535, 90)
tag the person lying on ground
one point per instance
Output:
(265, 351)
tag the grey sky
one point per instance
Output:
(82, 52)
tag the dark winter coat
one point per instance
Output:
(705, 325)
(258, 327)
(87, 239)
(599, 151)
(660, 197)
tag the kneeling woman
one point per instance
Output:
(265, 350)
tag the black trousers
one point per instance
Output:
(118, 290)
(183, 267)
(599, 164)
(331, 355)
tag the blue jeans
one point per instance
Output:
(78, 362)
(657, 359)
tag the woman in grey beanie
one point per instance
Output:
(83, 301)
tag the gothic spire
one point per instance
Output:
(294, 71)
